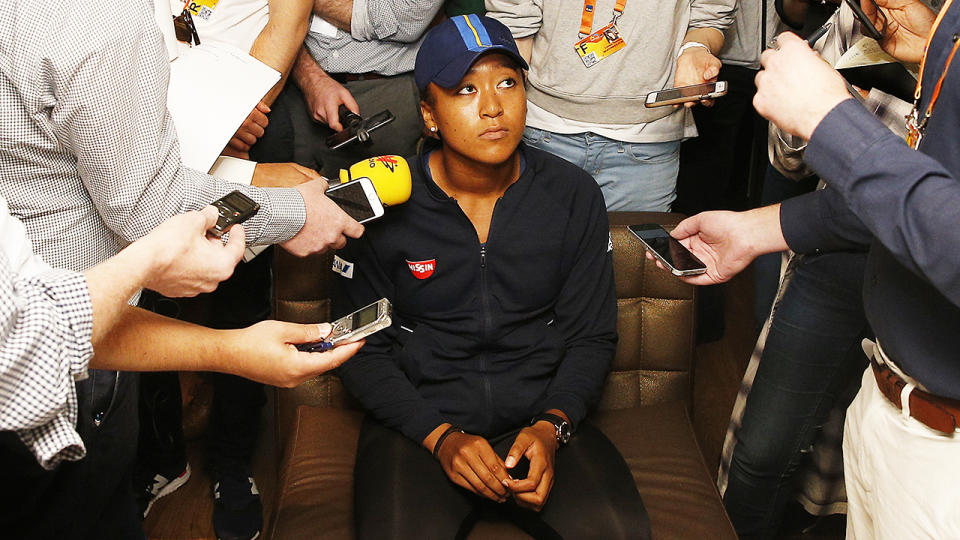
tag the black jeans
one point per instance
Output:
(812, 355)
(402, 492)
(240, 301)
(91, 498)
(398, 94)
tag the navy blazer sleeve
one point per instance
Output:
(907, 200)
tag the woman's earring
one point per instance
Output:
(433, 129)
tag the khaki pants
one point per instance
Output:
(902, 478)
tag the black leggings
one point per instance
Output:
(402, 492)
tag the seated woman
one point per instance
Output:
(501, 277)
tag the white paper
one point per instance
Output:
(867, 52)
(213, 87)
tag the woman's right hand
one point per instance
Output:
(471, 463)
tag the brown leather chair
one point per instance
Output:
(644, 409)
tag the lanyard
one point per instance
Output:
(923, 65)
(586, 21)
(916, 126)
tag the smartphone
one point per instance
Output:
(354, 327)
(358, 198)
(234, 208)
(682, 94)
(668, 250)
(356, 128)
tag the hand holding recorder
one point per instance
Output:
(354, 327)
(184, 260)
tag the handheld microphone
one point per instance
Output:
(390, 176)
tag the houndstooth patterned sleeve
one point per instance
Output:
(47, 320)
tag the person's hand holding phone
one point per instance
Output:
(538, 443)
(327, 226)
(471, 463)
(726, 242)
(696, 65)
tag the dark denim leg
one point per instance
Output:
(811, 353)
(776, 188)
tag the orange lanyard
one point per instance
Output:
(923, 65)
(589, 6)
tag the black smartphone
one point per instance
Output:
(356, 128)
(234, 208)
(668, 250)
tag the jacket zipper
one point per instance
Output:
(487, 317)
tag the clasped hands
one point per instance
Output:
(471, 463)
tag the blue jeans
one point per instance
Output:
(812, 354)
(637, 177)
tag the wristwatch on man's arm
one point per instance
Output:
(563, 428)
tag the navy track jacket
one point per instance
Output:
(485, 337)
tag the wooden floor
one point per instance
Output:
(186, 514)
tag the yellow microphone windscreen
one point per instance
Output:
(390, 176)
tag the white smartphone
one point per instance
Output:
(354, 327)
(358, 198)
(682, 94)
(668, 250)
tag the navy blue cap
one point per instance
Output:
(451, 47)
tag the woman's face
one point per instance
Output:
(483, 117)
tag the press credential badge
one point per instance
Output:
(201, 8)
(596, 46)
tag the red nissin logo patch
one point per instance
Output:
(422, 269)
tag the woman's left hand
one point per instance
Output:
(539, 444)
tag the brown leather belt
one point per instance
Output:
(350, 77)
(939, 413)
